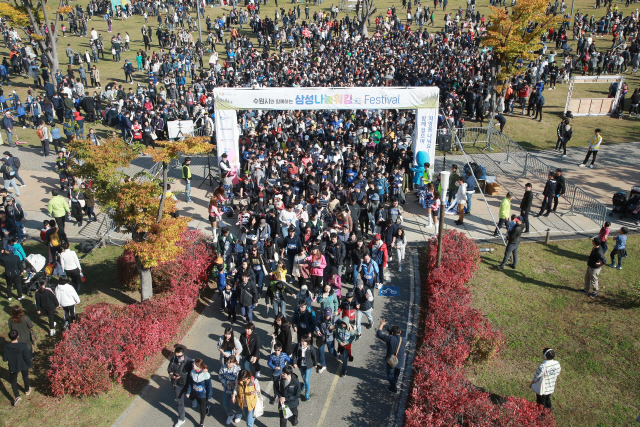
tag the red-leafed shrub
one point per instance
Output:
(455, 335)
(110, 341)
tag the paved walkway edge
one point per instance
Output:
(396, 419)
(154, 378)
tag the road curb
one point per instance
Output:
(396, 419)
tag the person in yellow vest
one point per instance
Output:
(246, 395)
(505, 213)
(427, 176)
(594, 146)
(186, 175)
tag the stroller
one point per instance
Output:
(624, 204)
(35, 271)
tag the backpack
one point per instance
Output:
(16, 162)
(10, 171)
(55, 239)
(40, 133)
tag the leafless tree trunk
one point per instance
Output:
(48, 43)
(365, 10)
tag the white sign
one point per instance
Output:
(227, 136)
(425, 133)
(178, 128)
(326, 98)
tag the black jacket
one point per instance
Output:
(283, 336)
(46, 300)
(515, 234)
(527, 201)
(393, 341)
(247, 294)
(561, 187)
(18, 356)
(11, 265)
(291, 392)
(335, 253)
(550, 188)
(251, 347)
(179, 368)
(311, 357)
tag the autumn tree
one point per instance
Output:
(137, 203)
(514, 38)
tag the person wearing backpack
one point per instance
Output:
(46, 301)
(14, 162)
(9, 173)
(58, 209)
(15, 212)
(394, 358)
(54, 238)
(43, 134)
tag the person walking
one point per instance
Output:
(525, 205)
(461, 199)
(513, 243)
(46, 301)
(276, 294)
(186, 175)
(303, 320)
(399, 243)
(58, 209)
(545, 378)
(12, 272)
(364, 305)
(328, 299)
(9, 176)
(7, 124)
(594, 265)
(287, 388)
(620, 249)
(317, 264)
(324, 336)
(565, 133)
(71, 265)
(549, 193)
(248, 296)
(199, 387)
(229, 345)
(228, 375)
(561, 188)
(15, 163)
(282, 333)
(504, 214)
(305, 357)
(179, 368)
(344, 335)
(277, 361)
(19, 359)
(394, 357)
(68, 298)
(594, 146)
(20, 322)
(246, 393)
(250, 349)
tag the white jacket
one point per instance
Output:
(69, 260)
(461, 195)
(67, 295)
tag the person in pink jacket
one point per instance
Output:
(317, 262)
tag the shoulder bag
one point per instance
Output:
(258, 411)
(393, 359)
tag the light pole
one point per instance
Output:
(199, 2)
(444, 186)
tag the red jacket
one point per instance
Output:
(385, 254)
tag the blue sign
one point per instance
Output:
(389, 291)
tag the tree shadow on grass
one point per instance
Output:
(618, 300)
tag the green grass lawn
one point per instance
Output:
(597, 341)
(531, 135)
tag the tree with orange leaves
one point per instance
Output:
(137, 204)
(515, 36)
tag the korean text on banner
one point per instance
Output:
(426, 132)
(227, 136)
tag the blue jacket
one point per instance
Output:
(280, 362)
(199, 385)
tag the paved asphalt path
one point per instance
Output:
(359, 399)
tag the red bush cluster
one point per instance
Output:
(110, 341)
(455, 335)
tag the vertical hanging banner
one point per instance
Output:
(425, 134)
(227, 136)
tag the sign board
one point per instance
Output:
(389, 291)
(179, 128)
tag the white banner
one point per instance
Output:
(227, 136)
(426, 133)
(326, 98)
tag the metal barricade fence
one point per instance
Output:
(519, 163)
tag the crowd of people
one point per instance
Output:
(318, 196)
